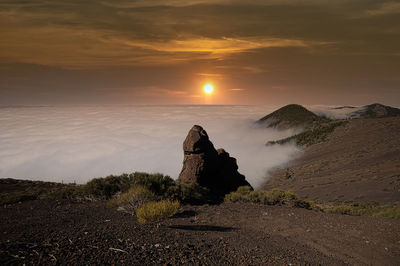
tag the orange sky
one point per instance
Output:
(162, 52)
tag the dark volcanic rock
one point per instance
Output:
(211, 168)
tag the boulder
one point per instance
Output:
(209, 167)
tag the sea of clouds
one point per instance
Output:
(79, 143)
(333, 112)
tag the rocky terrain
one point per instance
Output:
(42, 232)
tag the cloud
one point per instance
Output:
(80, 143)
(384, 9)
(67, 35)
(211, 75)
(335, 112)
(183, 3)
(152, 3)
(161, 91)
(82, 47)
(220, 46)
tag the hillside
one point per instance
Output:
(358, 162)
(376, 110)
(290, 116)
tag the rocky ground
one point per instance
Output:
(358, 162)
(63, 232)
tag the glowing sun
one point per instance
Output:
(208, 88)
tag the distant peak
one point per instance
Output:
(375, 110)
(290, 116)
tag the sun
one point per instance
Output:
(208, 88)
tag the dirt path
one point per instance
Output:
(45, 232)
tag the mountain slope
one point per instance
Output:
(358, 162)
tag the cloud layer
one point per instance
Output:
(78, 143)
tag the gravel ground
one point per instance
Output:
(62, 232)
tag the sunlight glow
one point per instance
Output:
(208, 88)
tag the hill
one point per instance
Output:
(357, 162)
(291, 116)
(376, 110)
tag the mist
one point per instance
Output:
(76, 144)
(334, 112)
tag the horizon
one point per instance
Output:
(277, 106)
(164, 52)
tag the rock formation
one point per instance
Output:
(209, 167)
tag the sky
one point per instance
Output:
(57, 52)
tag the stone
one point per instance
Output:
(211, 168)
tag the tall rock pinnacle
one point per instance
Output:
(207, 166)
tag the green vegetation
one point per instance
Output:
(18, 196)
(156, 183)
(107, 186)
(272, 197)
(151, 196)
(97, 188)
(155, 196)
(131, 200)
(312, 136)
(282, 197)
(23, 190)
(364, 209)
(110, 185)
(137, 195)
(189, 192)
(292, 115)
(156, 211)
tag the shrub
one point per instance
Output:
(189, 192)
(131, 200)
(242, 194)
(157, 183)
(71, 192)
(365, 209)
(110, 185)
(156, 211)
(18, 196)
(272, 197)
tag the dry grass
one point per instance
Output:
(131, 200)
(364, 209)
(157, 211)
